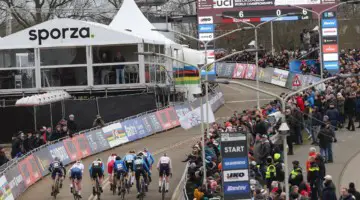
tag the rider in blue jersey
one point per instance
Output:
(129, 161)
(57, 168)
(141, 168)
(149, 157)
(119, 169)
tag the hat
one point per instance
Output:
(312, 149)
(328, 178)
(295, 162)
(71, 115)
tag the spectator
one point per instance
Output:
(328, 192)
(296, 176)
(316, 124)
(352, 190)
(312, 153)
(3, 158)
(345, 195)
(66, 132)
(57, 134)
(98, 122)
(326, 138)
(341, 109)
(350, 109)
(293, 126)
(29, 142)
(333, 115)
(313, 178)
(71, 124)
(45, 134)
(39, 141)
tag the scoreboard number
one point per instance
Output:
(304, 12)
(278, 12)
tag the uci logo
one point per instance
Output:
(55, 33)
(223, 4)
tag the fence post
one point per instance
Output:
(35, 123)
(51, 117)
(97, 106)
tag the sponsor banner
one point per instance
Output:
(216, 101)
(265, 74)
(294, 65)
(182, 109)
(239, 71)
(77, 147)
(204, 4)
(147, 124)
(330, 40)
(236, 175)
(331, 65)
(210, 45)
(330, 56)
(5, 190)
(329, 32)
(16, 181)
(329, 23)
(225, 69)
(43, 159)
(29, 169)
(250, 72)
(246, 3)
(115, 134)
(206, 36)
(233, 145)
(206, 28)
(97, 141)
(237, 190)
(206, 19)
(135, 129)
(235, 163)
(223, 4)
(279, 77)
(193, 118)
(58, 150)
(163, 118)
(174, 119)
(154, 122)
(297, 2)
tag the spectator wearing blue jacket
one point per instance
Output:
(333, 115)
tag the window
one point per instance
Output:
(19, 58)
(17, 79)
(115, 54)
(62, 56)
(68, 76)
(116, 74)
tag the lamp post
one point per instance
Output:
(284, 127)
(201, 99)
(318, 14)
(256, 44)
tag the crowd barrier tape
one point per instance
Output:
(27, 170)
(275, 76)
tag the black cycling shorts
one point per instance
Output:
(130, 165)
(118, 174)
(97, 171)
(164, 169)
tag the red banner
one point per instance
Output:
(163, 118)
(29, 170)
(77, 147)
(239, 71)
(174, 119)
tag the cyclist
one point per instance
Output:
(140, 168)
(76, 172)
(57, 167)
(119, 168)
(110, 166)
(164, 166)
(97, 169)
(149, 157)
(129, 161)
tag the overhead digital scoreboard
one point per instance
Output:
(260, 10)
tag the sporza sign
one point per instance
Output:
(56, 33)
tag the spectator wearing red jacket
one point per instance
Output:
(300, 103)
(312, 153)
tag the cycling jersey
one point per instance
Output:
(149, 158)
(140, 164)
(164, 166)
(119, 166)
(76, 171)
(129, 160)
(56, 167)
(96, 168)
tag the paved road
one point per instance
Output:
(177, 143)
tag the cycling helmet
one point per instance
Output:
(78, 161)
(113, 154)
(57, 159)
(139, 157)
(99, 159)
(145, 149)
(165, 154)
(132, 151)
(140, 154)
(118, 158)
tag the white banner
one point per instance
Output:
(193, 118)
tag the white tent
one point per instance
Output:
(130, 17)
(43, 99)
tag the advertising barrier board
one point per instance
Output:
(97, 141)
(193, 118)
(154, 122)
(225, 69)
(29, 170)
(182, 109)
(265, 74)
(134, 129)
(5, 190)
(115, 134)
(58, 150)
(250, 72)
(174, 119)
(16, 181)
(234, 154)
(77, 147)
(279, 77)
(43, 158)
(239, 71)
(147, 124)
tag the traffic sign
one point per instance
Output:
(296, 82)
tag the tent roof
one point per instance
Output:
(131, 18)
(94, 34)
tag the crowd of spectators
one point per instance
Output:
(314, 115)
(25, 142)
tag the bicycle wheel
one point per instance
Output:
(98, 188)
(163, 185)
(114, 185)
(123, 187)
(142, 188)
(56, 187)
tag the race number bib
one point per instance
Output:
(56, 165)
(119, 166)
(138, 162)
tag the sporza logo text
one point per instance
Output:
(329, 23)
(55, 33)
(206, 28)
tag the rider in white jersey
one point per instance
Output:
(164, 166)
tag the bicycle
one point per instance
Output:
(163, 185)
(122, 189)
(55, 189)
(114, 185)
(76, 189)
(128, 182)
(142, 188)
(97, 188)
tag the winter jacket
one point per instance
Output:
(355, 193)
(341, 105)
(262, 149)
(300, 103)
(328, 192)
(325, 136)
(313, 154)
(321, 163)
(316, 119)
(72, 126)
(198, 195)
(348, 197)
(333, 114)
(358, 104)
(350, 106)
(311, 100)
